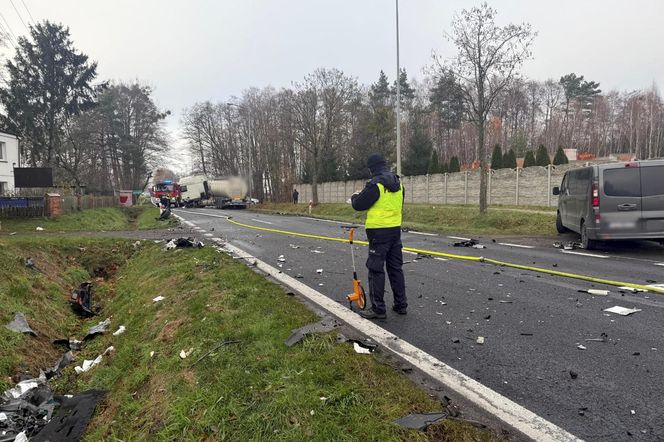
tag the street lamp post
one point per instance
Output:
(398, 97)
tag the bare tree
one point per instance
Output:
(320, 113)
(489, 57)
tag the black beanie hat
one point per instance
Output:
(375, 161)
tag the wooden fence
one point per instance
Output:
(21, 207)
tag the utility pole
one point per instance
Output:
(398, 116)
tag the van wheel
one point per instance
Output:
(559, 224)
(586, 242)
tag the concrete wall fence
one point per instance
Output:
(531, 186)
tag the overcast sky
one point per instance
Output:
(198, 50)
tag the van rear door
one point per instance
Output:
(620, 199)
(652, 188)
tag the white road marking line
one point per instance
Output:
(261, 221)
(189, 223)
(204, 214)
(438, 258)
(656, 286)
(423, 233)
(208, 235)
(513, 414)
(409, 252)
(592, 255)
(661, 264)
(459, 238)
(516, 245)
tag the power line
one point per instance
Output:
(9, 28)
(29, 14)
(9, 37)
(19, 15)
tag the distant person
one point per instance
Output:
(296, 195)
(382, 198)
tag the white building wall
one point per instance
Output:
(9, 160)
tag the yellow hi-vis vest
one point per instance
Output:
(386, 211)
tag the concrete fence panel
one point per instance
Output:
(531, 186)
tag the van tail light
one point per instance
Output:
(595, 196)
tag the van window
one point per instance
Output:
(652, 180)
(622, 182)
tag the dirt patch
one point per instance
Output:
(167, 334)
(189, 377)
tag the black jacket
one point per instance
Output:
(370, 194)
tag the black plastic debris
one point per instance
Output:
(184, 243)
(65, 360)
(420, 421)
(324, 325)
(72, 417)
(20, 325)
(30, 263)
(27, 414)
(98, 329)
(81, 300)
(466, 243)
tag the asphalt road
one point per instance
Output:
(532, 323)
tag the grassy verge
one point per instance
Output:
(507, 221)
(257, 389)
(114, 218)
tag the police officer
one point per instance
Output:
(383, 198)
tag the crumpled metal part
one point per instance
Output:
(324, 325)
(65, 360)
(98, 329)
(20, 325)
(420, 421)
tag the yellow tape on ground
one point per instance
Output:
(466, 258)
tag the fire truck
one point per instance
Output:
(168, 188)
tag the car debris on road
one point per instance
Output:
(623, 311)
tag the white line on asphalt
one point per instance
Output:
(204, 214)
(661, 264)
(459, 238)
(189, 223)
(516, 245)
(261, 221)
(592, 255)
(513, 414)
(422, 233)
(208, 235)
(438, 258)
(409, 252)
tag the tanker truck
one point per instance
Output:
(222, 193)
(229, 192)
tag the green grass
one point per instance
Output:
(459, 219)
(258, 389)
(108, 219)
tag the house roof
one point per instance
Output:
(4, 131)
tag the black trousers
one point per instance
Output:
(385, 252)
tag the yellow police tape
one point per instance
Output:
(466, 258)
